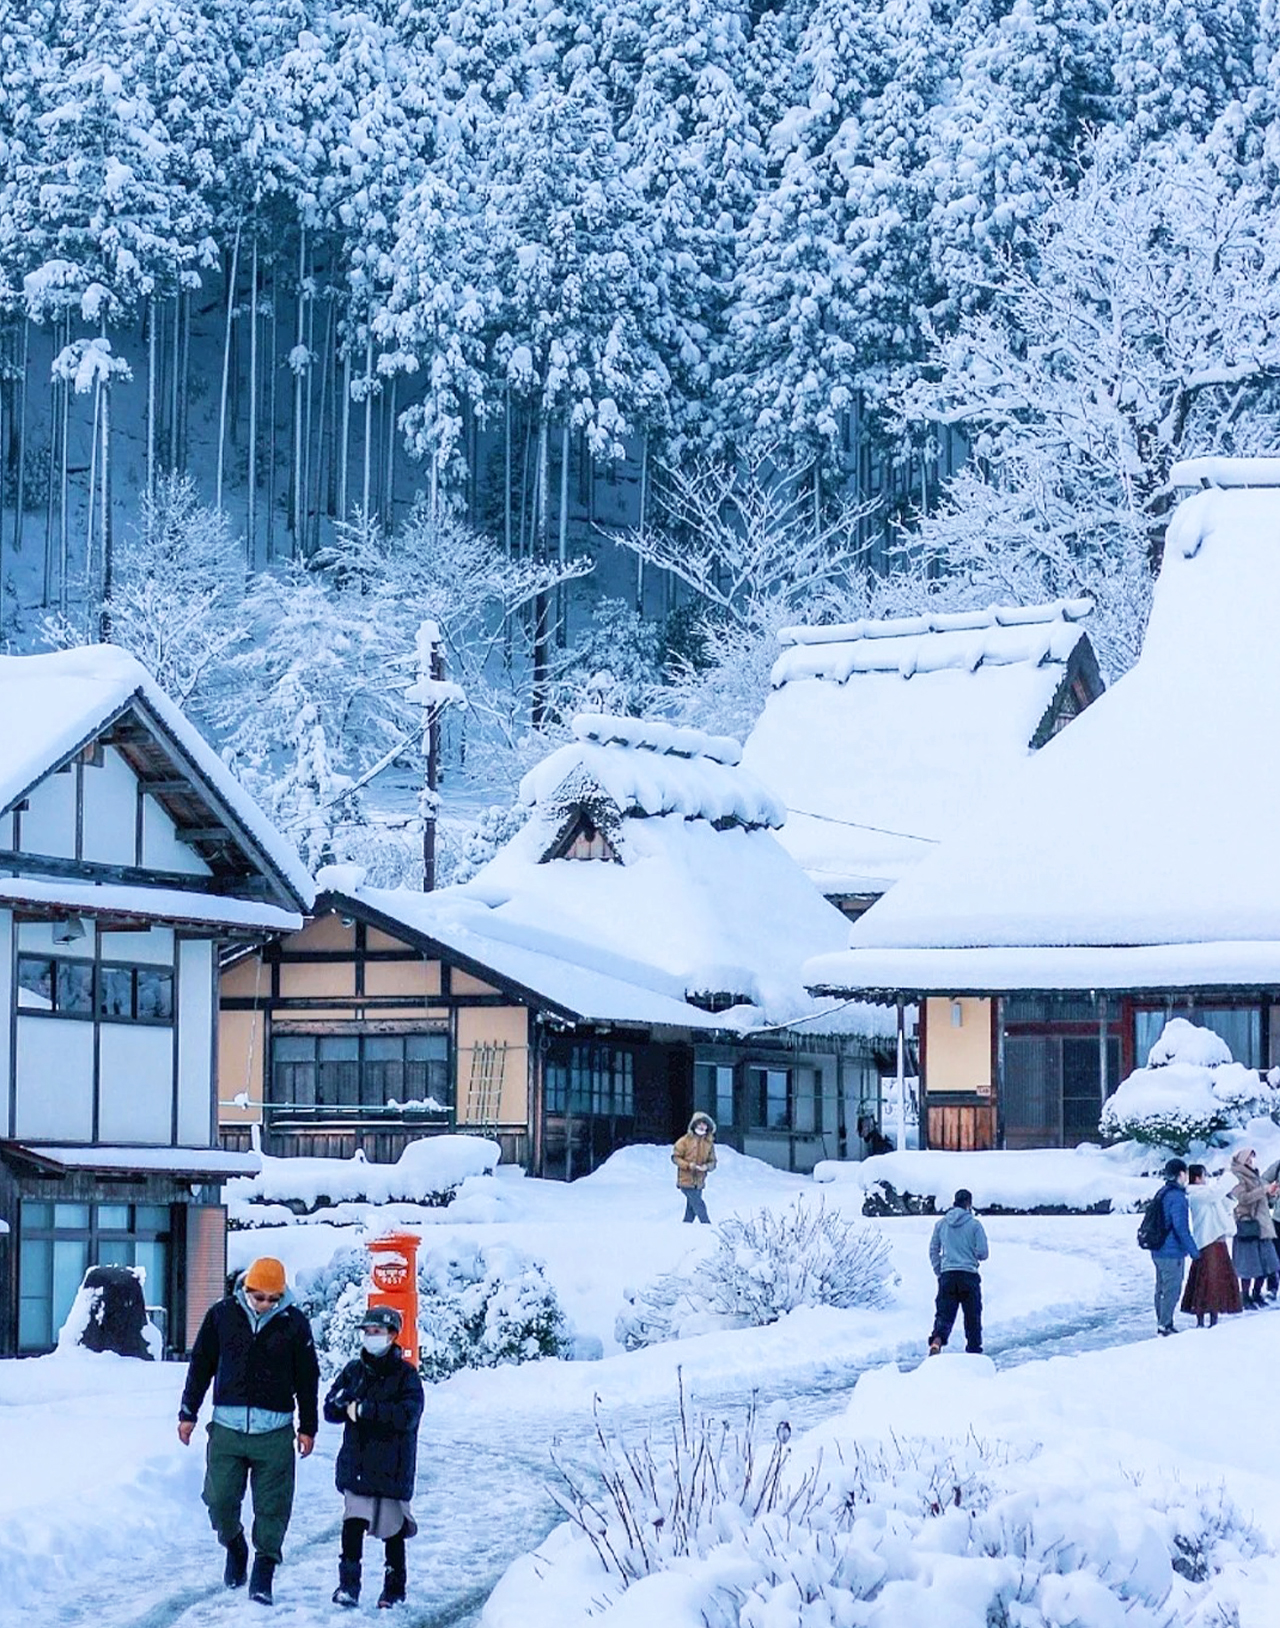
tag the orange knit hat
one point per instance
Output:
(266, 1275)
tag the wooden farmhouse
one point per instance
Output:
(1127, 873)
(880, 736)
(632, 952)
(128, 855)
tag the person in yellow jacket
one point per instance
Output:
(694, 1157)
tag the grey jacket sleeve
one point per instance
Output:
(980, 1240)
(935, 1249)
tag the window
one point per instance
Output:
(593, 1078)
(1239, 1026)
(713, 1091)
(65, 988)
(361, 1073)
(57, 1243)
(784, 1099)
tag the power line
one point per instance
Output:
(859, 825)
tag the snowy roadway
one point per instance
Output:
(486, 1440)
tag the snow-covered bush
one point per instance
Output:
(900, 1531)
(1189, 1091)
(478, 1307)
(762, 1267)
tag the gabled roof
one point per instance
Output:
(695, 905)
(878, 734)
(57, 704)
(1150, 822)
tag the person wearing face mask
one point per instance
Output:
(256, 1349)
(694, 1157)
(378, 1400)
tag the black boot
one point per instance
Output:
(393, 1579)
(233, 1573)
(348, 1590)
(264, 1569)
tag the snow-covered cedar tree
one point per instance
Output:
(875, 1521)
(479, 1306)
(761, 1268)
(1189, 1091)
(613, 666)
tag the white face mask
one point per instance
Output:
(376, 1344)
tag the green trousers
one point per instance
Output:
(263, 1462)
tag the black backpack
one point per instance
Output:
(1154, 1227)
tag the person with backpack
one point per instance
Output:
(1166, 1232)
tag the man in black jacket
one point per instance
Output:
(256, 1348)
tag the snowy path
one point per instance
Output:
(484, 1473)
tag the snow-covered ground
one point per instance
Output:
(100, 1513)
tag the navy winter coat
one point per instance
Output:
(271, 1369)
(379, 1453)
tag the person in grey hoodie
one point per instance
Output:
(957, 1247)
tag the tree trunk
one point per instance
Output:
(368, 422)
(64, 494)
(90, 511)
(20, 409)
(226, 365)
(151, 396)
(299, 332)
(506, 478)
(251, 494)
(644, 505)
(388, 507)
(272, 354)
(562, 541)
(108, 531)
(345, 452)
(175, 362)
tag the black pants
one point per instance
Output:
(959, 1291)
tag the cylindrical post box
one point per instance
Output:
(394, 1269)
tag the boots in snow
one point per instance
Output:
(348, 1590)
(237, 1566)
(393, 1581)
(264, 1569)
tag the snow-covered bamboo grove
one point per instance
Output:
(964, 276)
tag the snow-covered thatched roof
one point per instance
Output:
(1138, 849)
(692, 915)
(879, 734)
(55, 705)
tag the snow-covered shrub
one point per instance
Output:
(762, 1267)
(902, 1530)
(1189, 1091)
(478, 1307)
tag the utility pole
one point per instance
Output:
(433, 693)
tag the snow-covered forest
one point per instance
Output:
(607, 337)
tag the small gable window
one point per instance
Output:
(584, 840)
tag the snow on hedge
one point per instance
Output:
(1079, 1178)
(1189, 1092)
(429, 1171)
(714, 1527)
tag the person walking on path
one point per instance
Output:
(377, 1398)
(1176, 1245)
(1253, 1253)
(957, 1247)
(1212, 1287)
(256, 1348)
(694, 1157)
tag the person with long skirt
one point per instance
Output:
(1253, 1253)
(1212, 1286)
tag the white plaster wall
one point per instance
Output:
(153, 948)
(110, 811)
(49, 822)
(161, 849)
(7, 971)
(195, 1042)
(36, 937)
(55, 1080)
(135, 1083)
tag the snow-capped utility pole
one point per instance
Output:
(433, 692)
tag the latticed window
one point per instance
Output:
(592, 1078)
(354, 1072)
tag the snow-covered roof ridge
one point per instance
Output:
(56, 702)
(1190, 473)
(652, 735)
(1001, 635)
(648, 769)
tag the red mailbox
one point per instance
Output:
(394, 1269)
